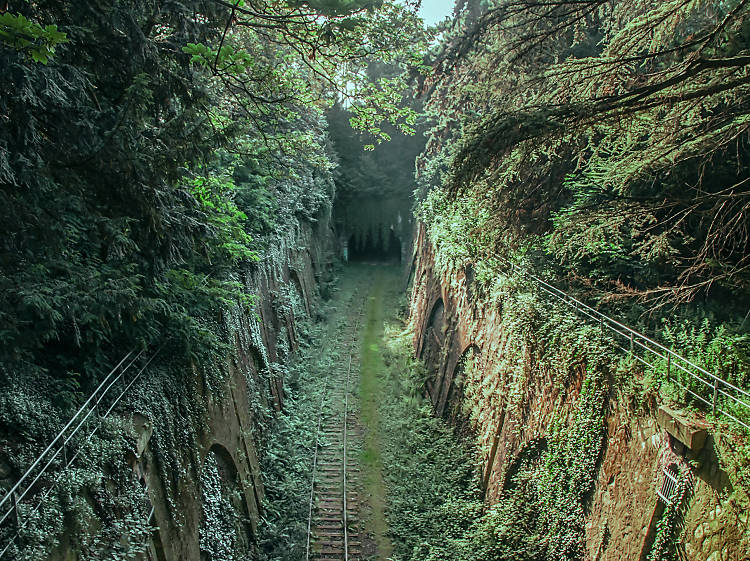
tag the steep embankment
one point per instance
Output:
(172, 470)
(572, 441)
(209, 496)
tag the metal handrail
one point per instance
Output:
(90, 406)
(711, 381)
(9, 494)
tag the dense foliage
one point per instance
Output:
(607, 139)
(375, 182)
(133, 179)
(150, 155)
(600, 146)
(436, 508)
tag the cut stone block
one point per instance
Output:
(690, 433)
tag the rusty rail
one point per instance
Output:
(332, 527)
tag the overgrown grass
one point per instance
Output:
(433, 484)
(286, 461)
(370, 394)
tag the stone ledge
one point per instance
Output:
(690, 433)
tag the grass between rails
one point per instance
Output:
(421, 480)
(286, 461)
(370, 394)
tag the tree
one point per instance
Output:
(615, 130)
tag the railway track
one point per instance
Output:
(333, 524)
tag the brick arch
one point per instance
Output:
(431, 352)
(434, 331)
(225, 459)
(451, 394)
(233, 493)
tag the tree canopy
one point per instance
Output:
(145, 145)
(612, 137)
(151, 154)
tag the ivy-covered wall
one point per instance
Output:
(565, 427)
(174, 473)
(195, 496)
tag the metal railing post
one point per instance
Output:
(716, 395)
(669, 366)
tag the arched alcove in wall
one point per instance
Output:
(432, 345)
(225, 530)
(452, 389)
(434, 332)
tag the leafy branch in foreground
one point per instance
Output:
(24, 35)
(323, 51)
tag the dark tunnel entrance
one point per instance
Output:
(376, 250)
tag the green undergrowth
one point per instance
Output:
(285, 461)
(370, 394)
(436, 511)
(433, 484)
(286, 457)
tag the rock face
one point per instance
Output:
(464, 340)
(187, 506)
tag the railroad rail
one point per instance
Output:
(332, 533)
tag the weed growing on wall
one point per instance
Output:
(568, 474)
(218, 535)
(75, 512)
